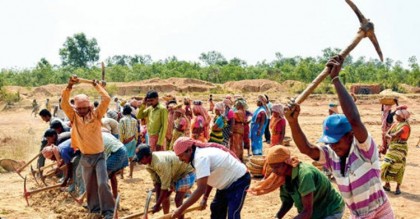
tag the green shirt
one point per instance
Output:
(157, 122)
(306, 179)
(166, 168)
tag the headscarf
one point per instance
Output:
(220, 106)
(199, 109)
(403, 112)
(276, 154)
(112, 114)
(241, 101)
(279, 109)
(262, 99)
(178, 108)
(228, 102)
(184, 143)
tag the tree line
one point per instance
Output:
(80, 56)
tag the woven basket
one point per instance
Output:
(387, 100)
(258, 159)
(252, 169)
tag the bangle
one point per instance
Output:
(336, 77)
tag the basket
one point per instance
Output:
(258, 159)
(252, 169)
(387, 100)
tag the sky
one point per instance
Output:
(247, 29)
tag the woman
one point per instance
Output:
(277, 125)
(238, 128)
(258, 125)
(201, 122)
(216, 134)
(227, 129)
(393, 167)
(181, 125)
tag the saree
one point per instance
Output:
(256, 140)
(393, 167)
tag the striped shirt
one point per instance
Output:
(361, 184)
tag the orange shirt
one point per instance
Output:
(86, 131)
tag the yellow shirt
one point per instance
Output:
(86, 131)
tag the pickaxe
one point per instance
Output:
(366, 30)
(26, 193)
(34, 175)
(146, 207)
(34, 172)
(23, 167)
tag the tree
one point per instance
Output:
(213, 58)
(78, 51)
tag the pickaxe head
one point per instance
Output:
(42, 177)
(34, 175)
(25, 192)
(367, 27)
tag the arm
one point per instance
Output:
(203, 203)
(161, 195)
(69, 174)
(164, 127)
(292, 114)
(307, 202)
(260, 120)
(201, 189)
(346, 101)
(105, 100)
(142, 112)
(65, 103)
(286, 203)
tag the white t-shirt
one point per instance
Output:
(221, 167)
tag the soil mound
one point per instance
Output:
(256, 85)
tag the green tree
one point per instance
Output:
(213, 58)
(79, 51)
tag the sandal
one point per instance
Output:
(388, 189)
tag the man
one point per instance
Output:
(59, 128)
(65, 155)
(111, 124)
(86, 136)
(259, 123)
(167, 171)
(215, 166)
(128, 130)
(116, 159)
(301, 184)
(58, 111)
(157, 120)
(350, 153)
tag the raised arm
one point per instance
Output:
(346, 101)
(105, 100)
(292, 114)
(65, 101)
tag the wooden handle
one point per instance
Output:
(168, 216)
(314, 84)
(29, 162)
(43, 189)
(136, 215)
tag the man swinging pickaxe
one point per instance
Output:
(366, 30)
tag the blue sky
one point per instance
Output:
(247, 29)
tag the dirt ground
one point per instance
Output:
(20, 134)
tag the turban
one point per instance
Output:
(81, 100)
(50, 152)
(182, 144)
(279, 154)
(220, 106)
(112, 114)
(241, 102)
